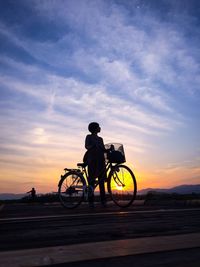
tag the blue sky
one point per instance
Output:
(133, 66)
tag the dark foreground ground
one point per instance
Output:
(35, 226)
(176, 258)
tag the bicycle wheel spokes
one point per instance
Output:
(71, 190)
(122, 186)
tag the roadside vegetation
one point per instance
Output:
(149, 198)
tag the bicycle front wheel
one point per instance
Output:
(71, 189)
(122, 186)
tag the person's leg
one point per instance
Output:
(101, 179)
(91, 191)
(91, 182)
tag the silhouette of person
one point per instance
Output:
(33, 193)
(94, 158)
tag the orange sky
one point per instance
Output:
(43, 168)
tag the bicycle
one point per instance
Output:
(73, 186)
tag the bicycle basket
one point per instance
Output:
(116, 153)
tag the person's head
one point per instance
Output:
(94, 127)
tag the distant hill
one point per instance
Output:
(10, 196)
(181, 189)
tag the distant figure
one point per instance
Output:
(33, 193)
(94, 158)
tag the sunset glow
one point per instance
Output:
(132, 66)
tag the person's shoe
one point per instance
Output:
(91, 205)
(104, 204)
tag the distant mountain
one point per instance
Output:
(181, 189)
(10, 196)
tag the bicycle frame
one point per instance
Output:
(108, 170)
(80, 189)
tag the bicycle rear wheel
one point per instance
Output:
(71, 189)
(122, 186)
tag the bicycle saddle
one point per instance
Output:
(82, 165)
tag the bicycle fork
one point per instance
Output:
(117, 180)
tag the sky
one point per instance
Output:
(133, 66)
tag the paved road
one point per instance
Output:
(37, 226)
(177, 258)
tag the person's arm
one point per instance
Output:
(89, 142)
(101, 144)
